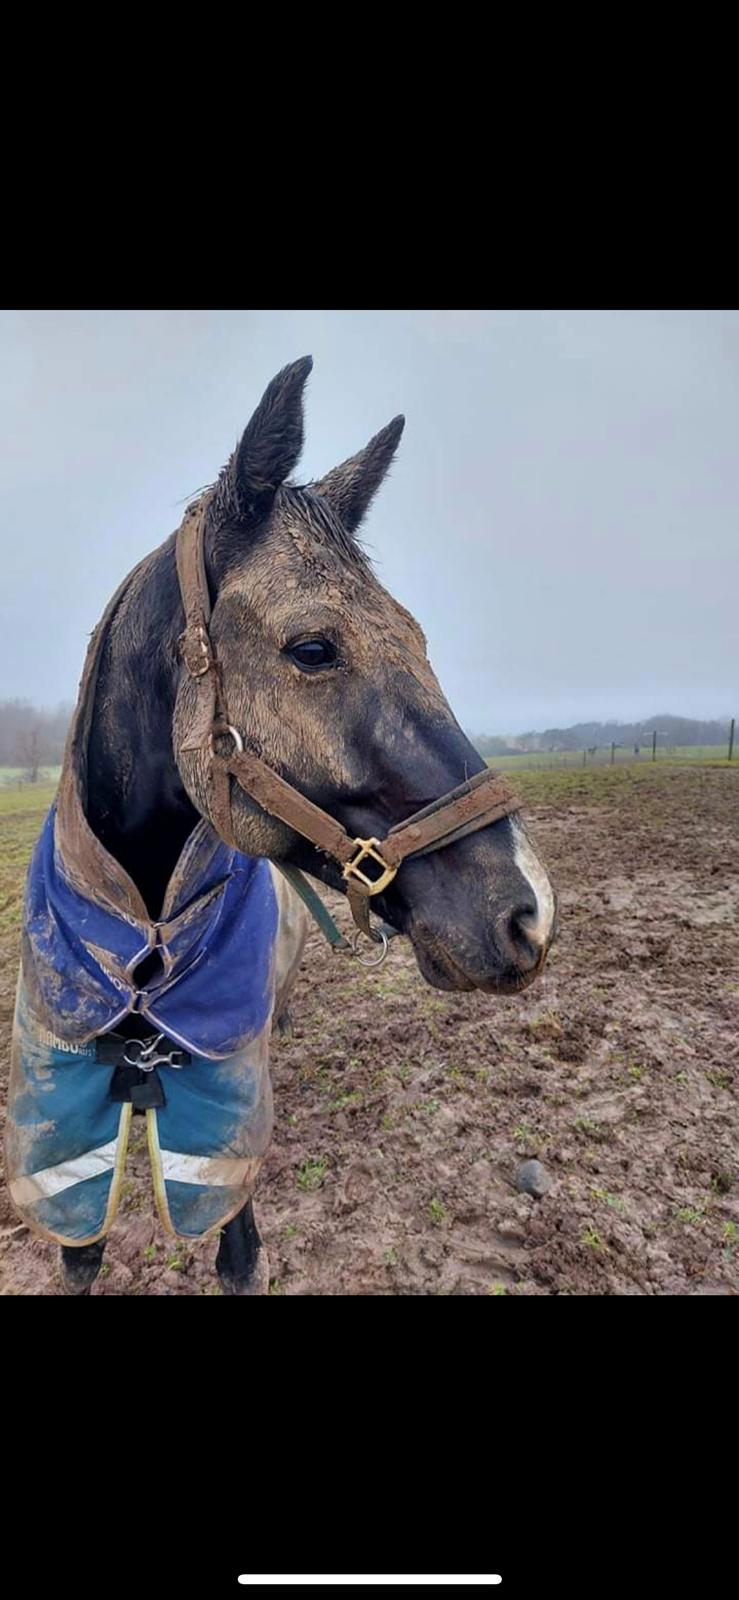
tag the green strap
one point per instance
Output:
(316, 906)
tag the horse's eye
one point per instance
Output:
(311, 654)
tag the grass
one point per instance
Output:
(177, 1262)
(312, 1173)
(600, 785)
(22, 813)
(611, 1200)
(346, 1101)
(16, 777)
(678, 755)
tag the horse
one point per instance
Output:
(255, 705)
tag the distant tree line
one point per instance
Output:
(587, 735)
(32, 737)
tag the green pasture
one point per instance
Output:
(22, 812)
(16, 777)
(712, 754)
(614, 785)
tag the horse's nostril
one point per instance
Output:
(523, 935)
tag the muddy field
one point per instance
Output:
(403, 1114)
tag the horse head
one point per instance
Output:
(328, 681)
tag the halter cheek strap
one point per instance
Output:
(368, 865)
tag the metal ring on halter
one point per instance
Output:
(382, 939)
(235, 735)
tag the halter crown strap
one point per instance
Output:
(190, 556)
(483, 799)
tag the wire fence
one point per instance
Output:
(655, 748)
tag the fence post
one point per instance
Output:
(654, 745)
(731, 738)
(613, 753)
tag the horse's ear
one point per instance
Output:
(350, 487)
(271, 443)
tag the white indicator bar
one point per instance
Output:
(314, 1579)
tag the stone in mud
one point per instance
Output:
(533, 1178)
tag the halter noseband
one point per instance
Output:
(483, 799)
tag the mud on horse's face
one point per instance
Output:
(328, 680)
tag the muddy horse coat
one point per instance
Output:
(254, 704)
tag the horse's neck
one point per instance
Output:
(136, 803)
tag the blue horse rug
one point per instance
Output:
(210, 1010)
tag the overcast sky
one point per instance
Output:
(562, 517)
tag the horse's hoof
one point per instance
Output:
(257, 1281)
(70, 1286)
(80, 1267)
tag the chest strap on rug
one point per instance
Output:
(368, 865)
(135, 1061)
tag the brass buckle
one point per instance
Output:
(369, 848)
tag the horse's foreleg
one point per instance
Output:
(80, 1266)
(242, 1263)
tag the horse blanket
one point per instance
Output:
(229, 934)
(213, 998)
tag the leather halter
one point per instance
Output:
(483, 799)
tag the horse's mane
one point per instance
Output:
(313, 509)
